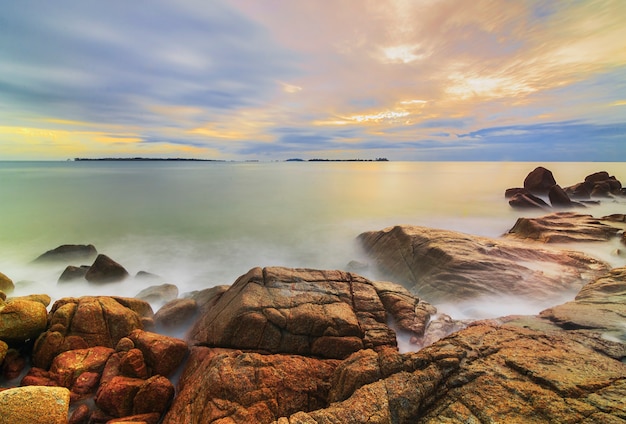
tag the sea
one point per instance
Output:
(199, 224)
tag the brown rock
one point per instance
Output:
(158, 294)
(4, 348)
(176, 314)
(162, 354)
(6, 284)
(116, 398)
(564, 227)
(444, 265)
(21, 320)
(137, 419)
(250, 388)
(69, 253)
(34, 405)
(578, 191)
(132, 364)
(73, 273)
(539, 181)
(559, 198)
(302, 311)
(13, 363)
(105, 270)
(527, 201)
(77, 323)
(154, 396)
(80, 415)
(510, 192)
(597, 177)
(68, 366)
(39, 377)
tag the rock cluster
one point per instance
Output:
(540, 183)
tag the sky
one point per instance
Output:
(514, 80)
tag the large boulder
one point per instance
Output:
(565, 227)
(485, 373)
(69, 253)
(105, 270)
(232, 386)
(329, 314)
(539, 181)
(125, 396)
(22, 319)
(163, 354)
(79, 323)
(34, 405)
(442, 265)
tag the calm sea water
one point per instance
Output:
(198, 224)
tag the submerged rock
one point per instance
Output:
(442, 265)
(105, 270)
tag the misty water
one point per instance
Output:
(200, 224)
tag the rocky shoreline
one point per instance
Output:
(288, 346)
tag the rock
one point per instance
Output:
(485, 373)
(564, 227)
(442, 265)
(67, 367)
(34, 405)
(158, 294)
(4, 348)
(527, 201)
(176, 314)
(21, 320)
(559, 198)
(578, 191)
(511, 192)
(597, 177)
(208, 297)
(600, 306)
(163, 354)
(79, 323)
(237, 387)
(69, 253)
(73, 273)
(601, 189)
(124, 396)
(105, 270)
(329, 314)
(137, 419)
(539, 181)
(80, 415)
(13, 364)
(6, 284)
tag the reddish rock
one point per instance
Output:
(77, 323)
(539, 181)
(137, 419)
(162, 354)
(241, 387)
(117, 396)
(154, 396)
(105, 270)
(310, 312)
(68, 366)
(132, 364)
(80, 415)
(176, 314)
(38, 377)
(13, 364)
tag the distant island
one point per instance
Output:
(338, 160)
(148, 159)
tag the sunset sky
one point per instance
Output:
(277, 79)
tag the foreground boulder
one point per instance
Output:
(328, 314)
(22, 319)
(442, 265)
(487, 373)
(6, 284)
(34, 405)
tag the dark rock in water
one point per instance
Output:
(527, 201)
(158, 294)
(597, 176)
(328, 314)
(601, 189)
(511, 192)
(539, 180)
(441, 265)
(73, 273)
(559, 198)
(69, 253)
(105, 270)
(149, 277)
(208, 297)
(564, 227)
(357, 266)
(6, 284)
(578, 191)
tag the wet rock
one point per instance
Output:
(34, 405)
(69, 253)
(6, 284)
(176, 314)
(73, 273)
(158, 294)
(329, 314)
(539, 181)
(21, 319)
(559, 198)
(564, 227)
(68, 368)
(238, 387)
(527, 201)
(124, 396)
(162, 354)
(78, 323)
(105, 270)
(443, 265)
